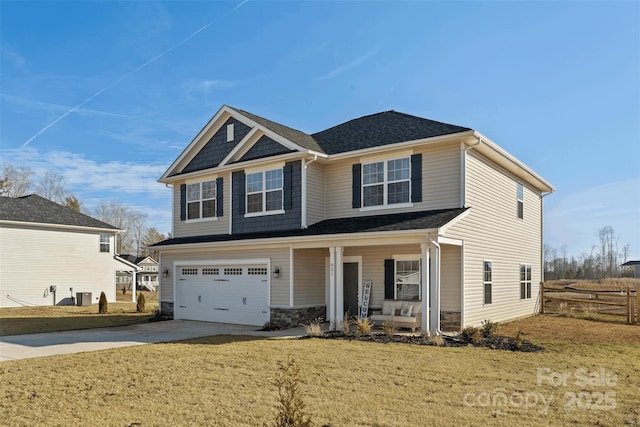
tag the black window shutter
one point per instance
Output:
(287, 185)
(389, 278)
(416, 177)
(219, 197)
(183, 202)
(240, 180)
(356, 185)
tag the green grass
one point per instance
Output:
(30, 320)
(229, 381)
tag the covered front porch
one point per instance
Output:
(421, 268)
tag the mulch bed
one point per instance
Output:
(496, 342)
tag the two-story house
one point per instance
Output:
(146, 276)
(273, 224)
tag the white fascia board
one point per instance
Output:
(216, 121)
(60, 226)
(508, 161)
(325, 240)
(125, 262)
(401, 145)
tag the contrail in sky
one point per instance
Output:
(155, 58)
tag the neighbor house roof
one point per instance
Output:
(422, 220)
(379, 129)
(631, 263)
(36, 209)
(134, 259)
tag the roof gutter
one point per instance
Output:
(60, 226)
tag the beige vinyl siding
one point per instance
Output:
(315, 193)
(204, 227)
(492, 231)
(440, 183)
(278, 256)
(450, 277)
(309, 283)
(32, 259)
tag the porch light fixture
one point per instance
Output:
(165, 273)
(276, 272)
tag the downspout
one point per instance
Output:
(435, 302)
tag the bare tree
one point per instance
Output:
(51, 185)
(73, 203)
(137, 227)
(15, 182)
(118, 215)
(150, 237)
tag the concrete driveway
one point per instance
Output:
(52, 343)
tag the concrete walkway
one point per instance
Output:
(52, 343)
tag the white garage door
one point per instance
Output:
(223, 293)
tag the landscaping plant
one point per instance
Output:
(314, 328)
(291, 406)
(103, 306)
(140, 302)
(363, 326)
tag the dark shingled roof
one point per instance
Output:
(302, 139)
(379, 129)
(422, 220)
(37, 209)
(630, 263)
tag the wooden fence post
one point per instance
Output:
(542, 297)
(629, 315)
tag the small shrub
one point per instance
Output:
(390, 328)
(291, 406)
(489, 328)
(363, 326)
(345, 325)
(471, 334)
(140, 302)
(519, 339)
(124, 289)
(563, 308)
(589, 311)
(103, 306)
(436, 340)
(314, 328)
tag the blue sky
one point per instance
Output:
(109, 93)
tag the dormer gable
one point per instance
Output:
(234, 136)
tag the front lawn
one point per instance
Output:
(228, 381)
(30, 320)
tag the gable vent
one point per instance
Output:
(230, 132)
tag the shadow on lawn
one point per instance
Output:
(220, 339)
(34, 325)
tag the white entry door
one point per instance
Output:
(236, 294)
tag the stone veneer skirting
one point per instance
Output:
(286, 317)
(450, 321)
(166, 308)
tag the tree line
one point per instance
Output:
(603, 261)
(135, 237)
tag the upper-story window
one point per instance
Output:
(105, 243)
(386, 182)
(488, 282)
(520, 201)
(264, 191)
(201, 200)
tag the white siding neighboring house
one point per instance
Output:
(49, 253)
(147, 273)
(275, 225)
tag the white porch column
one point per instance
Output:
(291, 275)
(134, 275)
(424, 284)
(339, 285)
(332, 288)
(435, 289)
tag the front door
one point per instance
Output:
(350, 280)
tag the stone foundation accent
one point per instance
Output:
(166, 308)
(289, 317)
(450, 321)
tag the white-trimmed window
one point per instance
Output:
(264, 191)
(407, 279)
(520, 201)
(105, 243)
(201, 200)
(525, 281)
(488, 282)
(386, 182)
